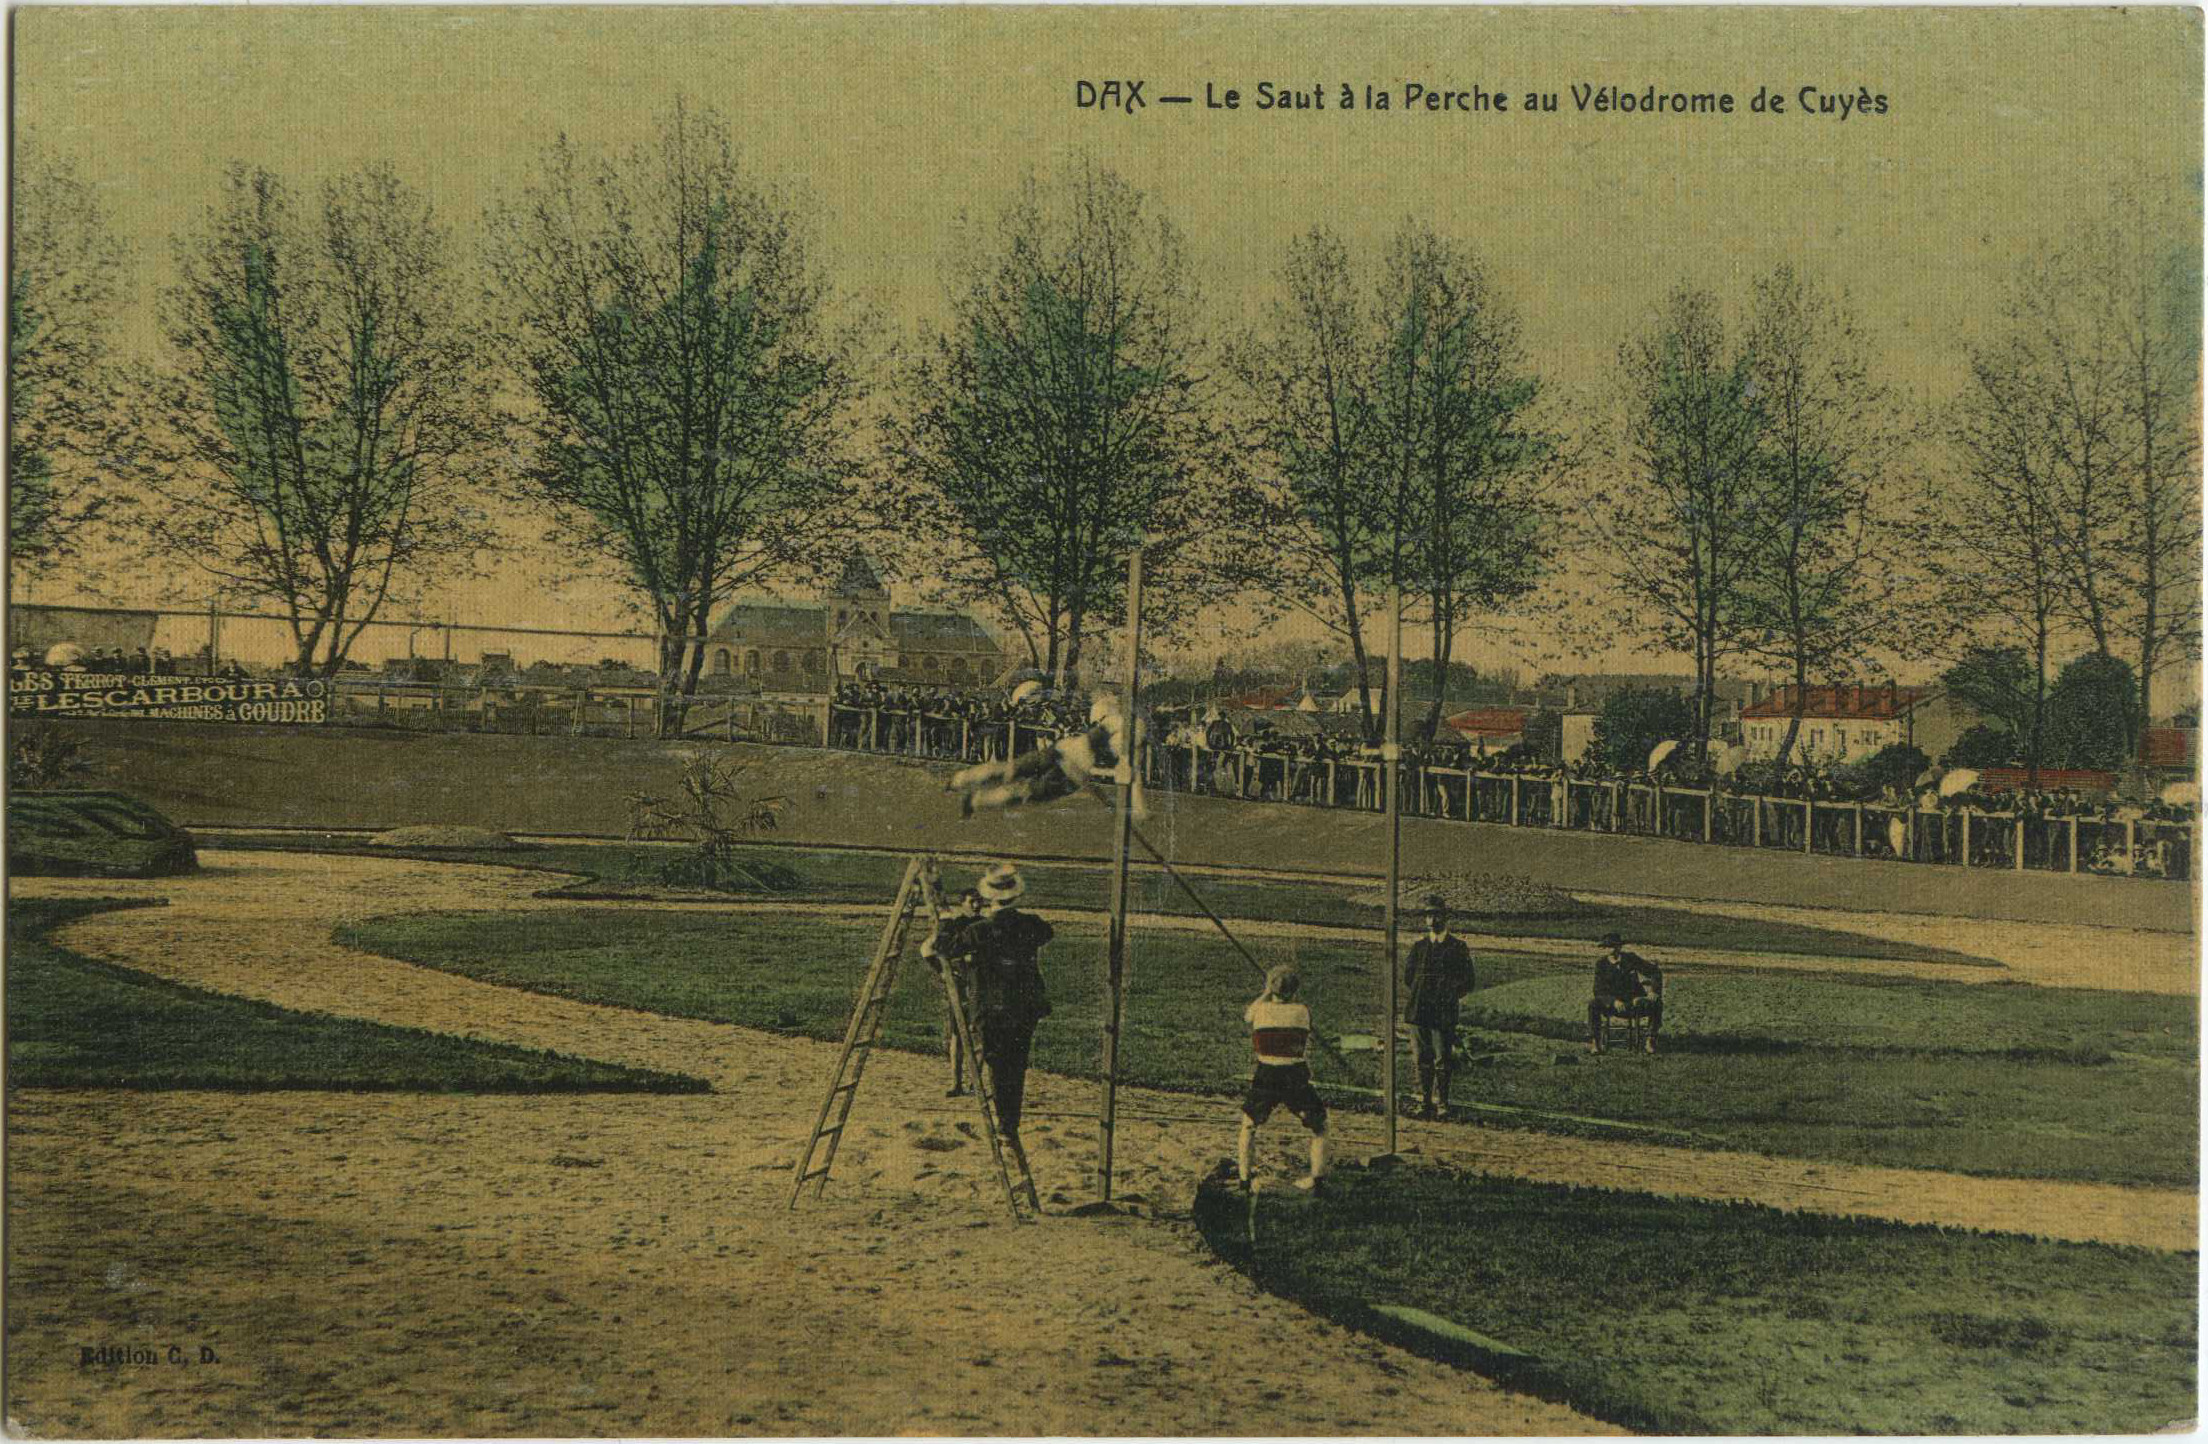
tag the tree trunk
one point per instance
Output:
(1801, 708)
(1069, 662)
(1364, 671)
(2039, 708)
(1444, 636)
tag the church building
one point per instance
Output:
(855, 632)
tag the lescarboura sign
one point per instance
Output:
(47, 693)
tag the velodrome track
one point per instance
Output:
(365, 778)
(435, 1264)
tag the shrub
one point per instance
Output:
(1982, 746)
(1632, 722)
(1485, 895)
(46, 755)
(1895, 765)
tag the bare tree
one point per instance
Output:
(1462, 441)
(63, 410)
(322, 420)
(1390, 435)
(1996, 534)
(2098, 339)
(693, 393)
(1308, 510)
(1832, 577)
(1674, 514)
(1058, 419)
(2151, 261)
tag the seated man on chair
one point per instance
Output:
(1626, 986)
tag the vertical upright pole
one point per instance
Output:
(214, 634)
(1115, 963)
(1388, 755)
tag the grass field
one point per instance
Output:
(1984, 1079)
(77, 1023)
(837, 875)
(1680, 1317)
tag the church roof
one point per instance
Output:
(940, 631)
(771, 621)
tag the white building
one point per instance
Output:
(1849, 723)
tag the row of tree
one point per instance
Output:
(660, 366)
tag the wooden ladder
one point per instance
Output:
(864, 1034)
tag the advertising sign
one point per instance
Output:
(46, 692)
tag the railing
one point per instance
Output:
(527, 710)
(1961, 837)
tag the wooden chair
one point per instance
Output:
(1630, 1029)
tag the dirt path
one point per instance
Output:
(2051, 955)
(397, 1264)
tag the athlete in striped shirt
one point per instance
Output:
(1280, 1030)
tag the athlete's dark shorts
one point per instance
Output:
(1284, 1084)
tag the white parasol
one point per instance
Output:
(2185, 794)
(1024, 691)
(1959, 780)
(1659, 752)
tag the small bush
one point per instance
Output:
(1486, 895)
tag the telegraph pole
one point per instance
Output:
(1390, 759)
(1115, 960)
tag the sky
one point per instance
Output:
(2000, 127)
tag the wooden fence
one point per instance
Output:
(1961, 837)
(576, 712)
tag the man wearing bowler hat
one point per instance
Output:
(1626, 986)
(1437, 976)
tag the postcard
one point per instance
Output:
(1083, 720)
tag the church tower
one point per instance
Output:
(857, 610)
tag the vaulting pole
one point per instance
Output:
(1115, 962)
(1390, 756)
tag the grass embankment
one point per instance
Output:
(1989, 1079)
(345, 777)
(77, 1023)
(838, 875)
(1680, 1317)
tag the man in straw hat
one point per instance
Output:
(1435, 979)
(1000, 947)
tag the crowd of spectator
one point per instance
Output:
(111, 661)
(948, 722)
(1809, 807)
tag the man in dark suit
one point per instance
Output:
(1626, 986)
(1001, 946)
(1437, 976)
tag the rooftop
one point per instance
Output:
(1845, 703)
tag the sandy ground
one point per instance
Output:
(399, 1264)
